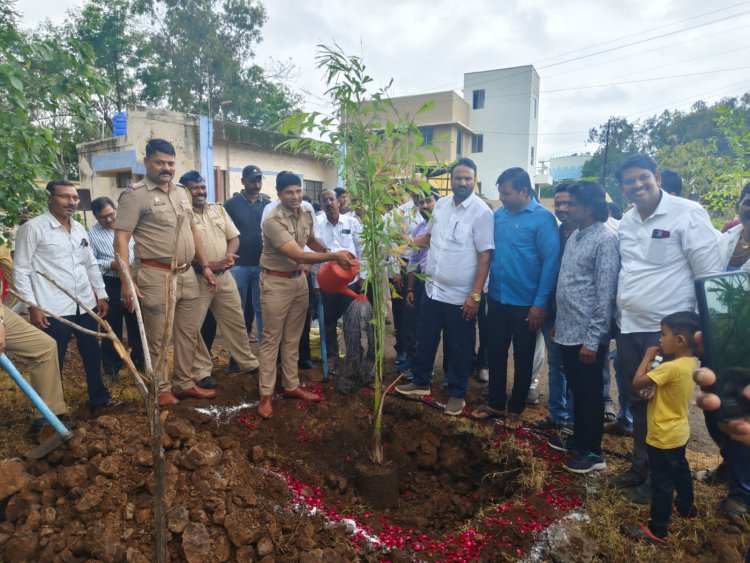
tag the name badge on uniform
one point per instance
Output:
(158, 201)
(658, 233)
(346, 231)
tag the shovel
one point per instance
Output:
(62, 435)
(322, 332)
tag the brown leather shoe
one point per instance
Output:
(196, 392)
(299, 393)
(265, 408)
(167, 399)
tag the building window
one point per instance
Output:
(535, 104)
(532, 156)
(477, 143)
(124, 179)
(477, 101)
(427, 135)
(313, 189)
(459, 143)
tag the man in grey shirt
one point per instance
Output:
(586, 291)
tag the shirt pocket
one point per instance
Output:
(662, 250)
(162, 215)
(459, 235)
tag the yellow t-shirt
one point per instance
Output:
(667, 411)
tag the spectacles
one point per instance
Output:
(68, 197)
(106, 217)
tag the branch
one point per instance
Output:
(125, 273)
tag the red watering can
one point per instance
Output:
(333, 278)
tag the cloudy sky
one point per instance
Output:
(596, 58)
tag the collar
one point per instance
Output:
(465, 203)
(531, 206)
(664, 207)
(54, 223)
(153, 186)
(340, 221)
(286, 212)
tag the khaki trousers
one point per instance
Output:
(284, 303)
(153, 284)
(226, 307)
(24, 340)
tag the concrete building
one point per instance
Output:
(219, 150)
(495, 123)
(567, 167)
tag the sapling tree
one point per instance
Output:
(376, 150)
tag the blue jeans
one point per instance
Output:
(436, 318)
(560, 403)
(88, 349)
(249, 277)
(624, 416)
(607, 377)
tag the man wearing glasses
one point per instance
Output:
(57, 244)
(102, 237)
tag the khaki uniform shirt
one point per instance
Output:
(215, 228)
(279, 228)
(151, 215)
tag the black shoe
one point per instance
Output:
(207, 382)
(561, 444)
(305, 364)
(548, 423)
(625, 480)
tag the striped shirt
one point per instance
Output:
(103, 245)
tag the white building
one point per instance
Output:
(495, 124)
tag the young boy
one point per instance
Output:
(668, 430)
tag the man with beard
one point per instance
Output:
(246, 210)
(149, 214)
(337, 232)
(57, 244)
(220, 240)
(460, 238)
(666, 242)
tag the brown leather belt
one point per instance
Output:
(163, 266)
(278, 274)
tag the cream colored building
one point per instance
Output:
(216, 149)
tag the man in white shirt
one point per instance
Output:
(102, 238)
(57, 244)
(461, 240)
(666, 242)
(337, 232)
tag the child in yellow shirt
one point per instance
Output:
(668, 429)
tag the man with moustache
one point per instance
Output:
(522, 278)
(58, 245)
(666, 242)
(246, 211)
(149, 212)
(285, 295)
(220, 240)
(460, 238)
(102, 236)
(337, 232)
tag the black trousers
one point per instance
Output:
(304, 340)
(585, 381)
(398, 305)
(115, 317)
(670, 472)
(410, 324)
(506, 324)
(334, 307)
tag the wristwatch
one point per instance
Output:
(476, 297)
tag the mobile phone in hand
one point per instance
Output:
(724, 307)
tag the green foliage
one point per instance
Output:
(376, 150)
(45, 83)
(707, 146)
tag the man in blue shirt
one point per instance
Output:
(523, 272)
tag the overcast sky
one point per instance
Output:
(424, 46)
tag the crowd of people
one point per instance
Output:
(562, 285)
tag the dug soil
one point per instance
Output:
(291, 488)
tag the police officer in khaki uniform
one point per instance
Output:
(20, 338)
(221, 239)
(283, 288)
(149, 213)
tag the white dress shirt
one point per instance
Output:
(43, 244)
(102, 242)
(344, 235)
(457, 234)
(660, 259)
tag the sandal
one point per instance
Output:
(641, 533)
(486, 412)
(513, 421)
